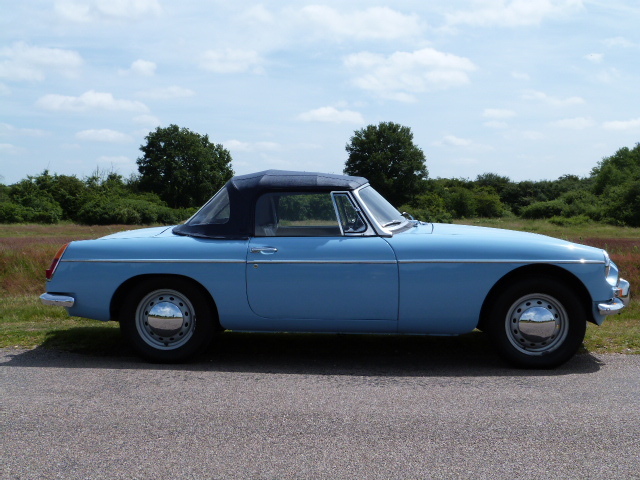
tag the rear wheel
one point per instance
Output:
(537, 323)
(167, 320)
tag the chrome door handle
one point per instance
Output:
(264, 249)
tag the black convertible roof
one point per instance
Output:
(283, 179)
(244, 191)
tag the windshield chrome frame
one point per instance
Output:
(380, 230)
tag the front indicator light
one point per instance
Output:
(56, 260)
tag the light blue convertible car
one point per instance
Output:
(281, 251)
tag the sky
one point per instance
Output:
(528, 89)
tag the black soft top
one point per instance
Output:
(244, 191)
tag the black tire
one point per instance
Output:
(537, 323)
(167, 320)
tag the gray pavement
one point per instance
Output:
(278, 407)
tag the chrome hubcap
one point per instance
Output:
(536, 324)
(165, 319)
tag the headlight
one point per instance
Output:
(610, 270)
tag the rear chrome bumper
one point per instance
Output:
(622, 297)
(57, 300)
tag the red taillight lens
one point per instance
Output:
(54, 263)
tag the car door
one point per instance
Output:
(316, 259)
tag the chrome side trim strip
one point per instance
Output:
(149, 260)
(524, 262)
(403, 262)
(322, 262)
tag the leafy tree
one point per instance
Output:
(386, 155)
(621, 167)
(493, 180)
(67, 190)
(183, 167)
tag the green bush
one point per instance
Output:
(488, 204)
(570, 221)
(551, 208)
(622, 205)
(128, 211)
(13, 213)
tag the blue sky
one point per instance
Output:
(529, 89)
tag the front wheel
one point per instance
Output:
(167, 320)
(537, 323)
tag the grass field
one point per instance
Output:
(26, 251)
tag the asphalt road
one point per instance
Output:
(276, 407)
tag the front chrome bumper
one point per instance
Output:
(622, 296)
(57, 300)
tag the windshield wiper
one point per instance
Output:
(393, 222)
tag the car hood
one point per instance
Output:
(447, 242)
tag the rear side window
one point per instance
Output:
(296, 215)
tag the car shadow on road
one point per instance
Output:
(310, 354)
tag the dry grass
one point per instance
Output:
(26, 251)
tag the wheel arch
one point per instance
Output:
(120, 294)
(529, 271)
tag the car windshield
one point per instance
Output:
(215, 211)
(384, 213)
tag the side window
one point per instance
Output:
(216, 210)
(350, 218)
(296, 215)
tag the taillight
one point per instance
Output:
(54, 263)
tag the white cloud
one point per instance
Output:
(520, 76)
(147, 120)
(554, 101)
(531, 135)
(403, 74)
(453, 141)
(622, 124)
(514, 13)
(83, 11)
(457, 142)
(232, 61)
(498, 113)
(167, 93)
(24, 62)
(258, 13)
(10, 130)
(239, 146)
(88, 101)
(9, 149)
(619, 42)
(115, 160)
(608, 76)
(103, 135)
(332, 115)
(578, 123)
(595, 57)
(496, 124)
(143, 68)
(372, 23)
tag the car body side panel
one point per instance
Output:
(444, 298)
(446, 275)
(92, 271)
(323, 278)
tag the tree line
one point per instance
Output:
(180, 169)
